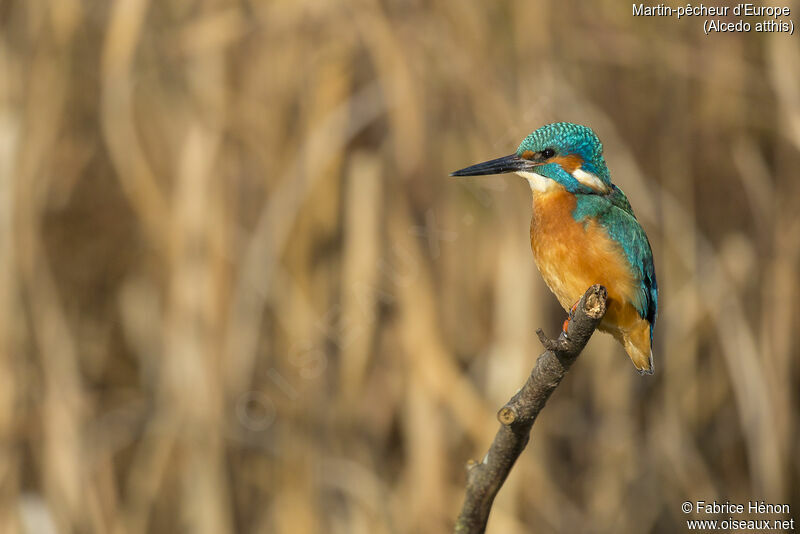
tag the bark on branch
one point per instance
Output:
(516, 418)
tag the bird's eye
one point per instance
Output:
(548, 153)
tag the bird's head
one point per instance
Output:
(562, 153)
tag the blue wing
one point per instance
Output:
(614, 212)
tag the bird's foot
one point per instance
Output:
(569, 317)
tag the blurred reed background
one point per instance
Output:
(239, 293)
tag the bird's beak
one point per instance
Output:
(512, 163)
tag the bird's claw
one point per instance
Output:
(571, 314)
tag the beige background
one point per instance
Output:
(239, 293)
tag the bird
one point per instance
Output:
(584, 232)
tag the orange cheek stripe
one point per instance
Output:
(569, 163)
(528, 154)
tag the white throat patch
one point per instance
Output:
(541, 184)
(538, 183)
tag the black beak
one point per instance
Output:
(512, 163)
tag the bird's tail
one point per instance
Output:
(637, 344)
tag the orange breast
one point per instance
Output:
(572, 256)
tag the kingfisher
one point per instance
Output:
(584, 232)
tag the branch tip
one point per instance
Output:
(594, 303)
(506, 415)
(553, 345)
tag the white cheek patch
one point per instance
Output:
(538, 182)
(590, 180)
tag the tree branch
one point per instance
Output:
(518, 415)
